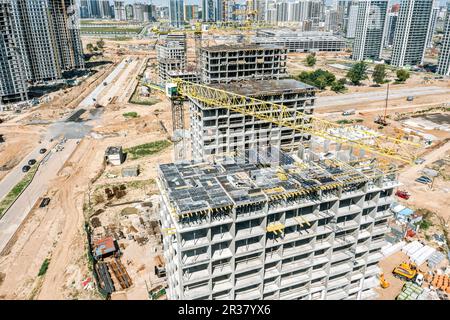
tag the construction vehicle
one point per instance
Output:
(348, 112)
(381, 120)
(406, 271)
(383, 283)
(403, 194)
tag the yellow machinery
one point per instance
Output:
(383, 283)
(406, 271)
(372, 142)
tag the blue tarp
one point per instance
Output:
(406, 212)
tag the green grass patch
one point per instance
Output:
(112, 29)
(16, 190)
(146, 149)
(131, 114)
(44, 267)
(349, 121)
(425, 224)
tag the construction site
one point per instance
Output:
(203, 169)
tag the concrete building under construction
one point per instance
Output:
(226, 63)
(243, 223)
(275, 227)
(171, 57)
(216, 130)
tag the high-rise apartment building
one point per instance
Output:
(351, 21)
(391, 24)
(119, 10)
(432, 28)
(176, 13)
(190, 12)
(212, 10)
(42, 36)
(13, 75)
(411, 32)
(369, 29)
(444, 55)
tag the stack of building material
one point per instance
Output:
(435, 259)
(441, 281)
(410, 291)
(412, 247)
(422, 255)
(390, 249)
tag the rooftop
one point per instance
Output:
(113, 150)
(239, 47)
(263, 87)
(204, 187)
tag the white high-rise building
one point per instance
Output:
(176, 13)
(391, 23)
(444, 55)
(351, 23)
(119, 11)
(411, 32)
(369, 29)
(433, 21)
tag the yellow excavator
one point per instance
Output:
(383, 282)
(406, 271)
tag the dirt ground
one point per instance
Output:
(56, 232)
(387, 265)
(19, 141)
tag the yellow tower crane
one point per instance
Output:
(370, 141)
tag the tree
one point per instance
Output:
(101, 44)
(379, 74)
(311, 60)
(357, 73)
(402, 75)
(318, 78)
(339, 86)
(90, 47)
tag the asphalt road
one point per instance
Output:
(16, 214)
(47, 171)
(16, 174)
(367, 97)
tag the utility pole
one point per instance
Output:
(387, 98)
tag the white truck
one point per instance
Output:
(348, 112)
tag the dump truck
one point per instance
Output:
(406, 271)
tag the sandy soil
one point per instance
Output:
(437, 199)
(56, 232)
(19, 141)
(387, 265)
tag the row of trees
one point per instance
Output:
(358, 72)
(322, 79)
(100, 45)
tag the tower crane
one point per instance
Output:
(355, 137)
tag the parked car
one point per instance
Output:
(426, 178)
(42, 151)
(410, 98)
(403, 194)
(420, 180)
(26, 168)
(419, 161)
(44, 202)
(31, 162)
